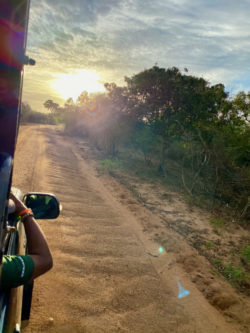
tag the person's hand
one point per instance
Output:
(20, 206)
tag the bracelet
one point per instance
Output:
(24, 216)
(24, 211)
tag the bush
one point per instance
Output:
(245, 254)
(235, 274)
(217, 222)
(30, 116)
(145, 140)
(109, 165)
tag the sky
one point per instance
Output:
(81, 44)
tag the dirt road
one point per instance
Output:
(109, 274)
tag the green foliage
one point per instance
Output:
(145, 140)
(192, 133)
(209, 245)
(218, 262)
(235, 274)
(245, 254)
(217, 222)
(197, 126)
(109, 165)
(177, 150)
(216, 272)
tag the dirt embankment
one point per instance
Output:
(118, 265)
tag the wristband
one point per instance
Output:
(24, 216)
(24, 211)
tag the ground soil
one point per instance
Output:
(118, 262)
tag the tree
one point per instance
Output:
(83, 99)
(241, 106)
(69, 105)
(50, 105)
(171, 102)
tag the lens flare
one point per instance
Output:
(93, 108)
(182, 291)
(160, 249)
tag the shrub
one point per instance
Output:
(245, 254)
(217, 222)
(30, 116)
(109, 165)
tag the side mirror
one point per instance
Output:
(43, 205)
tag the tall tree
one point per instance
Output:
(50, 105)
(83, 99)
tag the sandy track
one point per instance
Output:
(108, 275)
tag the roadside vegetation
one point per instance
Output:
(175, 127)
(238, 276)
(30, 116)
(178, 130)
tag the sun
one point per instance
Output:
(73, 84)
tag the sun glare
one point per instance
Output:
(72, 84)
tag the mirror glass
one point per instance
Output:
(44, 206)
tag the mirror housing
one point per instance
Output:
(43, 205)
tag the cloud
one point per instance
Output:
(123, 37)
(76, 10)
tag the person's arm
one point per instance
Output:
(37, 245)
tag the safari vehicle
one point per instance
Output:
(15, 304)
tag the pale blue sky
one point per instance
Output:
(118, 38)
